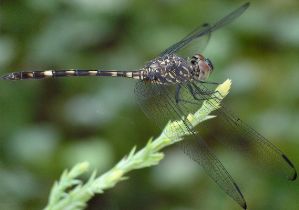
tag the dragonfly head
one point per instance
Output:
(202, 67)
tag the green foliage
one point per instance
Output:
(70, 193)
(49, 125)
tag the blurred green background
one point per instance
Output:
(49, 125)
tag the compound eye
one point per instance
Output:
(194, 60)
(209, 63)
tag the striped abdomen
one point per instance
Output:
(72, 73)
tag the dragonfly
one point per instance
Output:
(171, 86)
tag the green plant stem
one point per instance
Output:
(71, 193)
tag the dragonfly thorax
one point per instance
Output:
(202, 67)
(173, 69)
(169, 69)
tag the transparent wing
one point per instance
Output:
(198, 45)
(158, 103)
(205, 30)
(240, 136)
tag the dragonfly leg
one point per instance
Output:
(199, 94)
(206, 94)
(178, 99)
(177, 93)
(208, 82)
(196, 93)
(192, 92)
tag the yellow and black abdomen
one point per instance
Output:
(22, 75)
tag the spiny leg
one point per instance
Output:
(197, 94)
(191, 90)
(208, 82)
(201, 91)
(177, 93)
